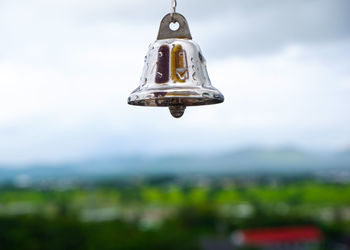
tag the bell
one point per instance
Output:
(175, 73)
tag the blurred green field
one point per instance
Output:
(164, 216)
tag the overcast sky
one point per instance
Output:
(68, 66)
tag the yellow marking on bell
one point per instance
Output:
(179, 69)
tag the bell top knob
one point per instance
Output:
(183, 32)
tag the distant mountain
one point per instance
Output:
(248, 161)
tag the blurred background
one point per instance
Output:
(268, 169)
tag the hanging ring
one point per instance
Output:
(173, 9)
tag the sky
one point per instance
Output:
(67, 68)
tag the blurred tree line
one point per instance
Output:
(157, 216)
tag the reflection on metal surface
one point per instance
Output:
(162, 75)
(179, 68)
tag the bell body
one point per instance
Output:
(175, 76)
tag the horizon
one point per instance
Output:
(272, 159)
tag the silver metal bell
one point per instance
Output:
(175, 73)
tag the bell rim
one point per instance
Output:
(199, 101)
(184, 97)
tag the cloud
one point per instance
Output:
(223, 28)
(256, 27)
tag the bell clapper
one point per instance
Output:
(177, 111)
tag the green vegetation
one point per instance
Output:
(164, 215)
